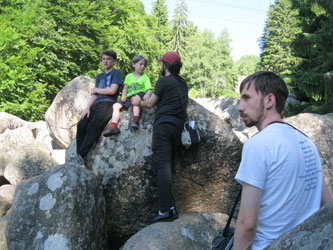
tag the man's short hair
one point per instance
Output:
(174, 68)
(267, 82)
(109, 52)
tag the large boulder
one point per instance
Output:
(190, 231)
(320, 129)
(66, 109)
(15, 132)
(6, 198)
(226, 108)
(41, 134)
(314, 233)
(3, 241)
(4, 160)
(29, 161)
(8, 121)
(63, 208)
(203, 177)
(11, 140)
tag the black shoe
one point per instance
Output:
(160, 218)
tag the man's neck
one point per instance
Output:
(275, 117)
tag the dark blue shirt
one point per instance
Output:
(104, 80)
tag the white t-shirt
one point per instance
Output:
(286, 165)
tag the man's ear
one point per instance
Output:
(270, 100)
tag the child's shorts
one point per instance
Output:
(128, 103)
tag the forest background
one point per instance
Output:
(44, 44)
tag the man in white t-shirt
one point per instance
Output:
(280, 171)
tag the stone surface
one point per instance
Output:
(3, 224)
(11, 122)
(4, 160)
(59, 155)
(6, 198)
(41, 134)
(203, 177)
(190, 231)
(66, 109)
(320, 129)
(29, 161)
(11, 140)
(226, 108)
(63, 208)
(314, 233)
(17, 132)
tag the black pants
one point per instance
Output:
(90, 128)
(166, 140)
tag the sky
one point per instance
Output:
(243, 19)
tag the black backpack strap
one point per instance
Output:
(181, 99)
(227, 226)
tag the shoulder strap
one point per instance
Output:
(227, 226)
(181, 99)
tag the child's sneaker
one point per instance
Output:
(135, 124)
(111, 131)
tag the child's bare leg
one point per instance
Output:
(136, 111)
(116, 112)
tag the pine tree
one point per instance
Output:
(161, 25)
(182, 28)
(314, 47)
(281, 28)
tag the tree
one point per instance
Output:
(281, 29)
(208, 66)
(314, 48)
(247, 65)
(162, 28)
(182, 28)
(20, 91)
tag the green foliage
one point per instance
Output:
(182, 28)
(282, 26)
(45, 44)
(314, 48)
(160, 25)
(298, 44)
(208, 66)
(247, 65)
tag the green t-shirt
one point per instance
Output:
(136, 85)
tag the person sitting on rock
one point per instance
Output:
(99, 109)
(136, 83)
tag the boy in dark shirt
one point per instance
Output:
(99, 109)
